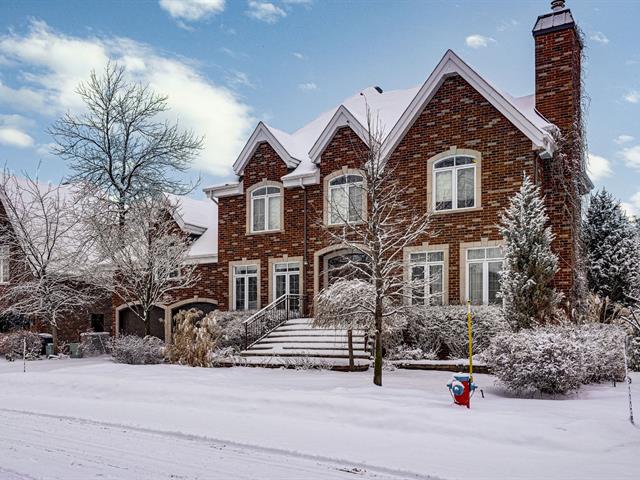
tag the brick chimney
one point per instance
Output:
(558, 65)
(558, 50)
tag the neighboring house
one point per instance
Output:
(460, 145)
(14, 268)
(199, 219)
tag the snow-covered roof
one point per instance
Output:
(200, 218)
(395, 112)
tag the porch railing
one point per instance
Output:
(267, 319)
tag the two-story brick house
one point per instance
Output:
(458, 143)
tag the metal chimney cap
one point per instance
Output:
(557, 5)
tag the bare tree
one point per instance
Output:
(151, 262)
(119, 146)
(376, 223)
(50, 255)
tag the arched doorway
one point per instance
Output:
(204, 305)
(130, 321)
(345, 264)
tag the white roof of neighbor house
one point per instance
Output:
(198, 217)
(394, 111)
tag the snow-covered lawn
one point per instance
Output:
(84, 419)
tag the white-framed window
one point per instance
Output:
(4, 263)
(345, 198)
(483, 275)
(286, 280)
(454, 183)
(427, 270)
(266, 209)
(245, 287)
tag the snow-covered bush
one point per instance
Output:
(93, 344)
(404, 352)
(196, 337)
(544, 360)
(232, 324)
(443, 329)
(136, 350)
(633, 354)
(602, 350)
(12, 344)
(557, 359)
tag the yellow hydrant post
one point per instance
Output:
(470, 343)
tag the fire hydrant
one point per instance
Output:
(462, 389)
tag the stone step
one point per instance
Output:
(303, 353)
(307, 346)
(306, 339)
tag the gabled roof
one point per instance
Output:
(395, 111)
(200, 218)
(521, 113)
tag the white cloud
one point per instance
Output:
(478, 41)
(307, 87)
(598, 167)
(192, 10)
(633, 96)
(632, 207)
(631, 156)
(507, 25)
(239, 79)
(599, 37)
(14, 137)
(52, 65)
(620, 139)
(298, 55)
(265, 11)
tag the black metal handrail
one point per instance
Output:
(267, 319)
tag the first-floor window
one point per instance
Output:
(483, 275)
(245, 287)
(427, 271)
(4, 263)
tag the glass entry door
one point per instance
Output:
(287, 281)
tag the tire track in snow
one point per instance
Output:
(95, 449)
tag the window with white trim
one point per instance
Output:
(483, 275)
(286, 278)
(245, 287)
(454, 183)
(266, 205)
(345, 199)
(4, 263)
(427, 271)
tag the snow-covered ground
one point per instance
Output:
(85, 419)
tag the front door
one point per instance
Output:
(287, 281)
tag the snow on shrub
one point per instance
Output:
(196, 337)
(443, 329)
(633, 354)
(136, 350)
(557, 359)
(232, 324)
(12, 344)
(543, 360)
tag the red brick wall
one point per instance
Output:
(558, 89)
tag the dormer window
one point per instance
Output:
(266, 209)
(454, 183)
(345, 198)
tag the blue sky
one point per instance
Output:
(227, 65)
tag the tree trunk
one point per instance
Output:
(54, 334)
(377, 363)
(147, 323)
(350, 344)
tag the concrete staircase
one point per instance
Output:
(297, 342)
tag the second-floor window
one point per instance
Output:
(345, 199)
(454, 183)
(4, 264)
(266, 209)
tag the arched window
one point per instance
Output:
(454, 183)
(345, 199)
(266, 209)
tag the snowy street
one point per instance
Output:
(85, 419)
